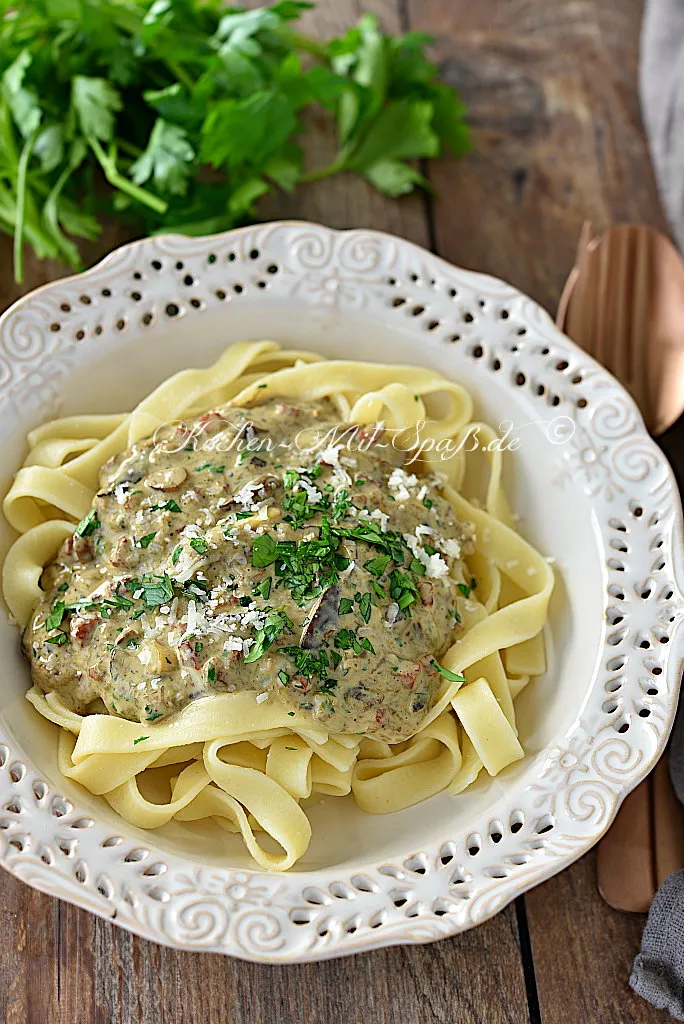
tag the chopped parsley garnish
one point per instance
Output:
(377, 566)
(57, 613)
(199, 647)
(145, 541)
(308, 663)
(378, 590)
(154, 715)
(88, 524)
(290, 478)
(346, 606)
(301, 509)
(196, 588)
(140, 739)
(263, 589)
(365, 607)
(340, 506)
(211, 674)
(199, 544)
(166, 506)
(177, 553)
(62, 587)
(264, 551)
(291, 714)
(283, 677)
(416, 567)
(402, 589)
(59, 638)
(275, 624)
(244, 515)
(464, 589)
(453, 677)
(428, 502)
(205, 465)
(347, 640)
(156, 590)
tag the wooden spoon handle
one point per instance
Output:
(668, 824)
(625, 862)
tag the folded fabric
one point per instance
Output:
(658, 972)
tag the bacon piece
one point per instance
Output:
(82, 628)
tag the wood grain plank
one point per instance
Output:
(29, 925)
(551, 94)
(473, 979)
(583, 952)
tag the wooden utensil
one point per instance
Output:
(623, 302)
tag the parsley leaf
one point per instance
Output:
(151, 93)
(58, 638)
(199, 544)
(453, 677)
(54, 619)
(365, 607)
(264, 551)
(166, 506)
(95, 102)
(88, 524)
(145, 541)
(377, 566)
(156, 590)
(275, 624)
(167, 159)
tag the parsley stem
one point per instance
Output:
(22, 169)
(309, 45)
(180, 73)
(108, 165)
(128, 147)
(323, 172)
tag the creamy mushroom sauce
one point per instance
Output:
(252, 549)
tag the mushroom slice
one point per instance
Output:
(167, 479)
(323, 619)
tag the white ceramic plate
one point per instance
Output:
(593, 490)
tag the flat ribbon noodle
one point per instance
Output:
(247, 765)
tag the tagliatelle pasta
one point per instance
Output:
(242, 758)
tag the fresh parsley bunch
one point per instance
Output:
(190, 112)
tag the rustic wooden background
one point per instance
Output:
(551, 90)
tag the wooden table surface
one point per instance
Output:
(551, 91)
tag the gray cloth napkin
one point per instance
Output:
(658, 972)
